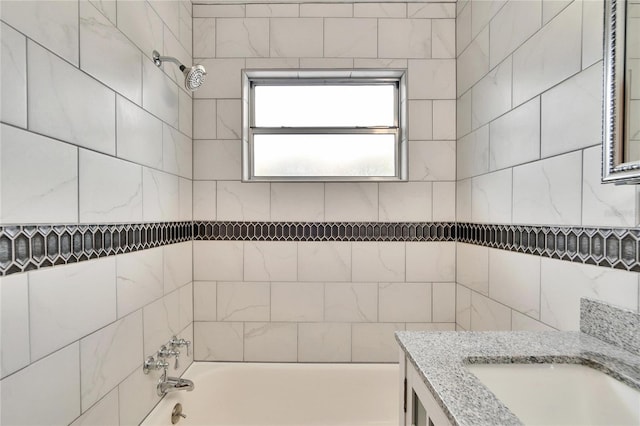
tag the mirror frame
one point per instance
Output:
(614, 168)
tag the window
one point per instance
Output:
(324, 125)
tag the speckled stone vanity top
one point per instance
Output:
(440, 359)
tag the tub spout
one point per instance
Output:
(174, 384)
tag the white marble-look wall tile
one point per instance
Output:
(186, 27)
(444, 202)
(491, 96)
(430, 261)
(431, 10)
(472, 154)
(405, 202)
(204, 200)
(379, 63)
(551, 8)
(67, 104)
(14, 323)
(444, 302)
(139, 279)
(482, 12)
(13, 76)
(123, 71)
(548, 191)
(107, 7)
(169, 12)
(324, 261)
(141, 24)
(105, 411)
(178, 264)
(443, 38)
(463, 307)
(488, 315)
(514, 24)
(218, 341)
(272, 63)
(272, 10)
(240, 38)
(228, 123)
(161, 321)
(372, 261)
(324, 342)
(491, 197)
(218, 260)
(472, 267)
(430, 326)
(564, 283)
(463, 113)
(605, 204)
(473, 62)
(326, 10)
(177, 151)
(242, 201)
(592, 30)
(224, 78)
(351, 201)
(108, 356)
(550, 56)
(572, 113)
(432, 160)
(271, 341)
(354, 37)
(172, 47)
(420, 119)
(514, 279)
(205, 300)
(404, 302)
(351, 302)
(520, 322)
(55, 398)
(242, 301)
(463, 200)
(203, 126)
(204, 37)
(297, 202)
(297, 302)
(68, 302)
(404, 38)
(139, 134)
(53, 25)
(270, 261)
(185, 189)
(219, 10)
(437, 77)
(217, 159)
(186, 306)
(374, 342)
(39, 178)
(296, 37)
(444, 120)
(463, 28)
(160, 196)
(515, 137)
(159, 93)
(111, 190)
(380, 10)
(329, 63)
(137, 395)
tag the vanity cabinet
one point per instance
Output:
(417, 405)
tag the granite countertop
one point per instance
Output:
(440, 359)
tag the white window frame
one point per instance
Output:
(251, 78)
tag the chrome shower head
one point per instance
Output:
(193, 76)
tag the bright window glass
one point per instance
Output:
(331, 155)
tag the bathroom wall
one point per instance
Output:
(310, 300)
(528, 153)
(92, 133)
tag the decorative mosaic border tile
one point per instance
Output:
(28, 247)
(25, 248)
(609, 247)
(325, 231)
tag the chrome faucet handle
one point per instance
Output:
(180, 342)
(154, 364)
(166, 352)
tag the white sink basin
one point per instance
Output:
(561, 394)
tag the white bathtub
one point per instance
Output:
(234, 394)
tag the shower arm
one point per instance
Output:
(158, 60)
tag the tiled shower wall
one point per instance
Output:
(528, 152)
(322, 301)
(93, 132)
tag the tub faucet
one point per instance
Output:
(168, 384)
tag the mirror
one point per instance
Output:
(621, 109)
